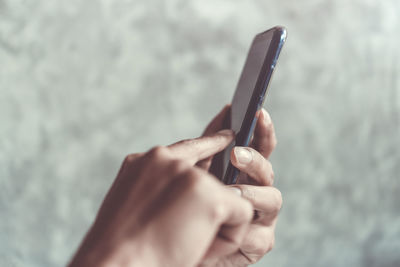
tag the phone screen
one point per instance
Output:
(250, 92)
(248, 79)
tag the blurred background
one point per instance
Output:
(83, 83)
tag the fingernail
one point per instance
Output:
(235, 190)
(243, 155)
(226, 132)
(267, 117)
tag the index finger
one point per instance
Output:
(194, 150)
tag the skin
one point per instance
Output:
(166, 208)
(255, 183)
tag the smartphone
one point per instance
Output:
(251, 92)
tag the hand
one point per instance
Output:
(164, 211)
(255, 184)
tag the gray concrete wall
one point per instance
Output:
(83, 83)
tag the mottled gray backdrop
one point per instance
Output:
(83, 83)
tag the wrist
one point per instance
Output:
(104, 256)
(99, 250)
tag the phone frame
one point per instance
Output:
(245, 133)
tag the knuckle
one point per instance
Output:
(246, 206)
(267, 166)
(274, 142)
(236, 242)
(259, 243)
(271, 244)
(213, 204)
(176, 166)
(268, 170)
(266, 173)
(217, 212)
(277, 200)
(253, 258)
(266, 244)
(198, 185)
(129, 158)
(157, 152)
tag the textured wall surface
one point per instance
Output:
(83, 83)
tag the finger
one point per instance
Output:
(218, 122)
(258, 242)
(129, 159)
(234, 221)
(266, 200)
(251, 162)
(194, 150)
(221, 218)
(264, 139)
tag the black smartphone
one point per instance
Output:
(251, 91)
